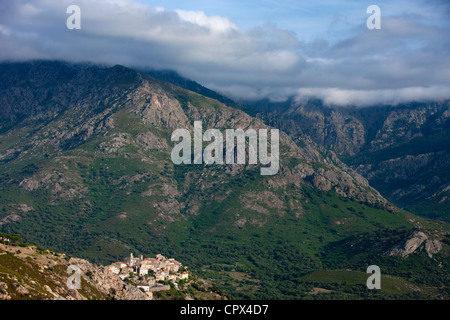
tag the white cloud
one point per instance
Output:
(405, 60)
(345, 97)
(214, 24)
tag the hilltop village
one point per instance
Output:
(44, 274)
(150, 274)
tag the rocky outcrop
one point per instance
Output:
(4, 291)
(417, 241)
(433, 247)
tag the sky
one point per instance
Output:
(251, 49)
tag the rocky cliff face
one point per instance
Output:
(402, 150)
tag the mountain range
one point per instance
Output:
(86, 169)
(410, 140)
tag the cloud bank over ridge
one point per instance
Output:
(408, 59)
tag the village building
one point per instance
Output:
(160, 257)
(159, 277)
(149, 271)
(144, 286)
(184, 275)
(121, 264)
(143, 270)
(113, 269)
